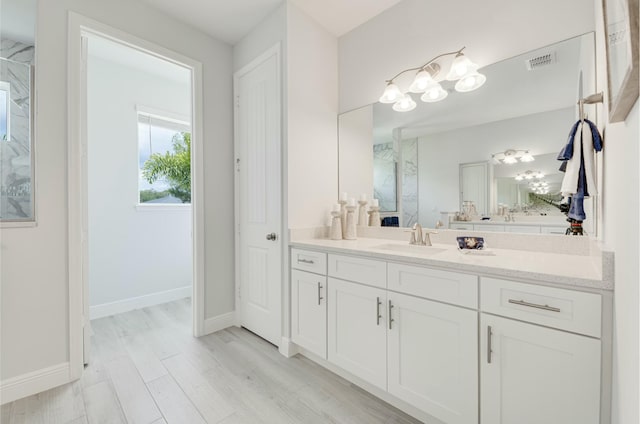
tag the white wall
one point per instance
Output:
(35, 308)
(439, 155)
(312, 127)
(269, 32)
(621, 221)
(414, 31)
(132, 252)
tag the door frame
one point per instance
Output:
(275, 50)
(79, 27)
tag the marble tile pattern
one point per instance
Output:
(15, 153)
(384, 176)
(409, 182)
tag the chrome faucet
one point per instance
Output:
(419, 238)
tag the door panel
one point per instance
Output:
(259, 196)
(433, 358)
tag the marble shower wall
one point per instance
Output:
(409, 182)
(384, 176)
(15, 154)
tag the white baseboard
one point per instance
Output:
(287, 348)
(126, 305)
(34, 382)
(211, 325)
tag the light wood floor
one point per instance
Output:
(147, 368)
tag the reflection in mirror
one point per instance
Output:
(451, 154)
(17, 54)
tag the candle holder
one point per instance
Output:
(336, 225)
(374, 216)
(350, 233)
(362, 213)
(343, 216)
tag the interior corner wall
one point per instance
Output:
(35, 290)
(312, 120)
(621, 233)
(492, 30)
(268, 33)
(133, 252)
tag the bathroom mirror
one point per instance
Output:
(17, 64)
(443, 154)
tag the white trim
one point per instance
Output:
(34, 382)
(78, 26)
(163, 207)
(214, 324)
(175, 117)
(130, 304)
(287, 348)
(19, 224)
(275, 50)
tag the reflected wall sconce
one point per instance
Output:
(462, 70)
(512, 156)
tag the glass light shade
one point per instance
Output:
(471, 81)
(391, 94)
(405, 104)
(510, 160)
(540, 175)
(420, 83)
(519, 177)
(460, 67)
(434, 93)
(527, 157)
(528, 176)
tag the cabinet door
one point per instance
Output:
(309, 311)
(534, 375)
(357, 330)
(433, 358)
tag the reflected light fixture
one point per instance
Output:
(462, 70)
(512, 156)
(530, 175)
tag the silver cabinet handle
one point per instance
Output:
(378, 316)
(320, 293)
(534, 305)
(306, 261)
(489, 337)
(272, 236)
(390, 316)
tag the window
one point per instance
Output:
(164, 160)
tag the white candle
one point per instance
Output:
(375, 203)
(343, 196)
(363, 197)
(336, 207)
(352, 202)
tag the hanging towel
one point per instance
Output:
(579, 167)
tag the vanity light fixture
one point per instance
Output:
(530, 175)
(462, 70)
(512, 156)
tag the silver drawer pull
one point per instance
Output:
(391, 320)
(534, 305)
(319, 293)
(378, 316)
(489, 339)
(306, 261)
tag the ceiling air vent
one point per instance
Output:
(540, 61)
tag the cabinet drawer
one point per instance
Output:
(450, 287)
(468, 227)
(366, 271)
(554, 230)
(494, 228)
(559, 308)
(308, 260)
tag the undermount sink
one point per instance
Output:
(410, 248)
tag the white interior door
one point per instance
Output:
(258, 141)
(474, 185)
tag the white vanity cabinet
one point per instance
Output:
(432, 357)
(309, 301)
(357, 330)
(532, 374)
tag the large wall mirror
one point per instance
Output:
(17, 61)
(428, 164)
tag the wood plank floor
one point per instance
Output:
(147, 368)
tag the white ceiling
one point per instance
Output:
(232, 20)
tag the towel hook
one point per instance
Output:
(589, 100)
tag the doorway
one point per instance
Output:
(139, 242)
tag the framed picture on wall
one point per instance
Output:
(621, 32)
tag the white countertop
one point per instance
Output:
(529, 266)
(515, 223)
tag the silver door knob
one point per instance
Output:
(272, 237)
